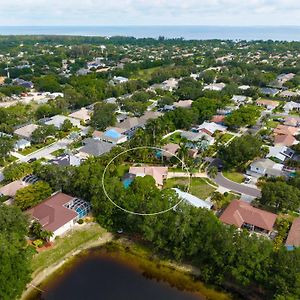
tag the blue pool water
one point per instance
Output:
(127, 182)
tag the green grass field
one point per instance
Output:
(198, 187)
(234, 176)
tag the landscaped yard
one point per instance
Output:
(122, 170)
(36, 147)
(174, 138)
(198, 187)
(58, 152)
(225, 137)
(144, 74)
(65, 245)
(7, 161)
(234, 176)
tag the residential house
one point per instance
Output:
(209, 127)
(218, 119)
(283, 78)
(23, 83)
(93, 147)
(59, 213)
(119, 80)
(170, 150)
(82, 114)
(285, 140)
(242, 215)
(239, 99)
(244, 87)
(195, 137)
(290, 94)
(215, 87)
(293, 239)
(193, 200)
(158, 173)
(21, 144)
(269, 91)
(268, 104)
(58, 121)
(11, 188)
(183, 103)
(292, 121)
(170, 84)
(280, 152)
(26, 131)
(284, 135)
(265, 167)
(290, 106)
(112, 135)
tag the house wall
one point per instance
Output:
(63, 229)
(260, 171)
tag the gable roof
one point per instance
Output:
(96, 147)
(239, 212)
(284, 140)
(51, 213)
(293, 238)
(26, 131)
(283, 129)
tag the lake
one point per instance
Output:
(107, 278)
(285, 33)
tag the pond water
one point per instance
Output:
(101, 277)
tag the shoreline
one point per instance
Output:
(180, 276)
(42, 275)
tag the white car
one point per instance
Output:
(247, 179)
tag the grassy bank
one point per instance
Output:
(73, 241)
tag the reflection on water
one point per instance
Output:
(100, 277)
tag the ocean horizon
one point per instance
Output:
(278, 33)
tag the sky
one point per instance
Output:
(150, 12)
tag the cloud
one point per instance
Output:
(149, 12)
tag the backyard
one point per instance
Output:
(62, 246)
(199, 187)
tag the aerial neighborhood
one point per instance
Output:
(207, 132)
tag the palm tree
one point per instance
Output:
(183, 153)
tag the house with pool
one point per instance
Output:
(59, 213)
(158, 173)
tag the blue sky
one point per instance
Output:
(150, 12)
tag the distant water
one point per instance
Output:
(283, 33)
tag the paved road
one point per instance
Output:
(45, 152)
(236, 187)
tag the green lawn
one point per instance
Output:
(198, 188)
(7, 161)
(271, 124)
(225, 137)
(144, 74)
(58, 152)
(234, 176)
(36, 147)
(174, 138)
(65, 245)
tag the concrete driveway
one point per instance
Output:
(237, 187)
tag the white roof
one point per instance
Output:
(193, 200)
(212, 127)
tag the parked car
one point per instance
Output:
(32, 160)
(247, 179)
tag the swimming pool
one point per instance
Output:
(127, 182)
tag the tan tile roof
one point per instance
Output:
(12, 188)
(158, 173)
(283, 129)
(239, 212)
(284, 140)
(293, 238)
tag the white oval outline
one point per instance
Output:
(136, 213)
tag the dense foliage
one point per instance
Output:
(15, 256)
